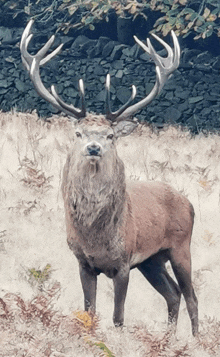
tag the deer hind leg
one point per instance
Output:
(155, 272)
(89, 285)
(181, 264)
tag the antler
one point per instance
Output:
(164, 68)
(33, 63)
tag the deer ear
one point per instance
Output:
(124, 128)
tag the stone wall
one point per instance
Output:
(190, 98)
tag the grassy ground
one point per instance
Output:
(41, 298)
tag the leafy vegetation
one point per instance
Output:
(200, 18)
(185, 17)
(39, 276)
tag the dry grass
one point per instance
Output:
(34, 321)
(33, 329)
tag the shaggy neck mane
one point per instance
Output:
(99, 195)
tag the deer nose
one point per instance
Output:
(93, 149)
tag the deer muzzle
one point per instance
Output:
(93, 150)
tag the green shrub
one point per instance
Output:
(200, 18)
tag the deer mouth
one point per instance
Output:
(93, 158)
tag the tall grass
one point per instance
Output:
(32, 237)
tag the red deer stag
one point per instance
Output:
(112, 225)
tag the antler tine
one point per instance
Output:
(33, 63)
(82, 94)
(164, 68)
(68, 107)
(26, 57)
(113, 115)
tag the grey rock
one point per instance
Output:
(101, 96)
(146, 57)
(192, 122)
(99, 70)
(102, 79)
(20, 85)
(70, 92)
(90, 69)
(70, 72)
(88, 46)
(197, 99)
(164, 103)
(183, 94)
(203, 67)
(123, 94)
(183, 106)
(206, 111)
(118, 64)
(79, 41)
(117, 52)
(204, 58)
(3, 83)
(169, 95)
(211, 98)
(67, 83)
(172, 113)
(119, 74)
(116, 82)
(127, 52)
(216, 64)
(170, 85)
(132, 51)
(108, 48)
(7, 35)
(188, 55)
(66, 40)
(149, 87)
(98, 48)
(3, 90)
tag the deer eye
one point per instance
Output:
(110, 136)
(78, 134)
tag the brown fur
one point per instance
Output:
(113, 226)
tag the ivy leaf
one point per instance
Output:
(209, 32)
(105, 8)
(187, 10)
(187, 34)
(160, 20)
(172, 12)
(159, 27)
(128, 6)
(211, 17)
(166, 29)
(72, 9)
(167, 2)
(172, 21)
(88, 20)
(216, 11)
(197, 37)
(27, 10)
(206, 13)
(193, 16)
(133, 9)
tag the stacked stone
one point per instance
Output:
(190, 98)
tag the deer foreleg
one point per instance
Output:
(120, 287)
(89, 285)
